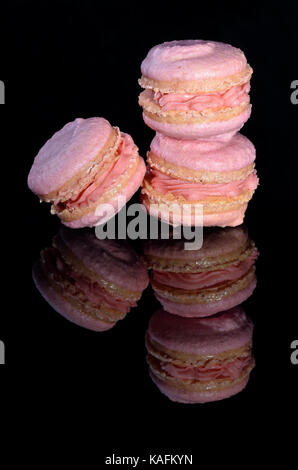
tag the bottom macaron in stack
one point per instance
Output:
(91, 282)
(198, 360)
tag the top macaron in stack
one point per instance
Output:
(196, 98)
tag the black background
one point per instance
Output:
(66, 59)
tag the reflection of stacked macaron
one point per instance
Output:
(196, 98)
(203, 282)
(93, 283)
(200, 360)
(87, 170)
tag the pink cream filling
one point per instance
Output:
(227, 370)
(201, 280)
(107, 178)
(233, 97)
(92, 290)
(164, 184)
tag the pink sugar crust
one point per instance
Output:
(192, 131)
(113, 260)
(67, 152)
(192, 60)
(231, 218)
(210, 308)
(221, 155)
(58, 303)
(216, 243)
(186, 396)
(105, 212)
(201, 336)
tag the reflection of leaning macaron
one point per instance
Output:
(93, 283)
(200, 360)
(87, 170)
(199, 283)
(195, 89)
(217, 176)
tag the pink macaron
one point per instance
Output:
(200, 360)
(203, 282)
(184, 176)
(195, 89)
(91, 282)
(88, 171)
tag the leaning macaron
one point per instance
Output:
(88, 171)
(93, 283)
(185, 176)
(195, 89)
(200, 360)
(203, 282)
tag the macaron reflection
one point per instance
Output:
(203, 282)
(198, 360)
(91, 282)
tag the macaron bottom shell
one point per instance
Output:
(192, 130)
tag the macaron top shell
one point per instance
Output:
(217, 243)
(220, 155)
(113, 260)
(192, 60)
(67, 152)
(201, 336)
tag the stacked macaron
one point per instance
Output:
(196, 98)
(88, 170)
(91, 282)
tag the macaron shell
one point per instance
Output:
(67, 152)
(201, 336)
(60, 305)
(192, 60)
(227, 154)
(192, 131)
(187, 396)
